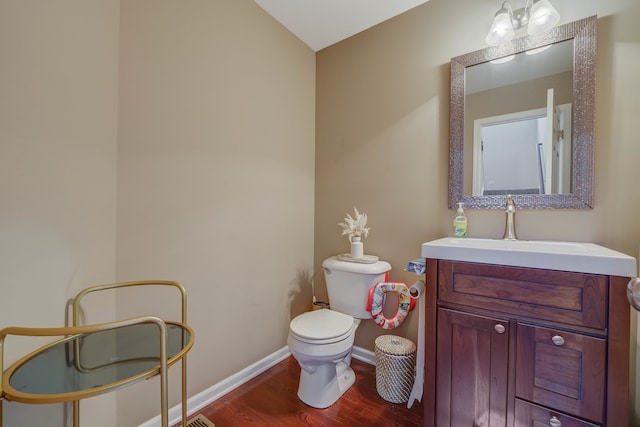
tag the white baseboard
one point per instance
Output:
(216, 391)
(364, 355)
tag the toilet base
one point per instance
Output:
(326, 385)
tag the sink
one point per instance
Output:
(551, 255)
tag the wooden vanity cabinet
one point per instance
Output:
(525, 347)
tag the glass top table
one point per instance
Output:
(90, 360)
(91, 364)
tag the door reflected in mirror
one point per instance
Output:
(523, 153)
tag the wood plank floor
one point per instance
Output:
(271, 400)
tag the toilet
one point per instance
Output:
(321, 340)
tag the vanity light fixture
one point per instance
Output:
(537, 15)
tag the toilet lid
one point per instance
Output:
(322, 325)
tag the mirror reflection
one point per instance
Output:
(517, 113)
(522, 121)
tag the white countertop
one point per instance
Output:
(552, 255)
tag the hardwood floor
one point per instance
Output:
(271, 400)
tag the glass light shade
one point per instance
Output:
(543, 17)
(501, 30)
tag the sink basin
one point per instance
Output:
(551, 255)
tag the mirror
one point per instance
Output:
(517, 112)
(523, 123)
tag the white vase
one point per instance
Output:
(357, 249)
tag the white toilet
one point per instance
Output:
(321, 340)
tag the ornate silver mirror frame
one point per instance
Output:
(583, 33)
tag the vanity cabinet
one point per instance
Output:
(525, 347)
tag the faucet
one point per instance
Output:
(510, 226)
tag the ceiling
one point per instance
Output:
(321, 23)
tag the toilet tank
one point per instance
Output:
(348, 284)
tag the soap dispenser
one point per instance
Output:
(460, 223)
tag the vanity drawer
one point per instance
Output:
(557, 296)
(563, 370)
(529, 415)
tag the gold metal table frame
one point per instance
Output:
(182, 341)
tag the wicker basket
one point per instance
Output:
(395, 367)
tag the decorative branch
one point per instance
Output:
(355, 227)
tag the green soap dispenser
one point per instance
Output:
(460, 223)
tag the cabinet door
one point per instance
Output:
(561, 370)
(472, 368)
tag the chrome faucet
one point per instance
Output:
(510, 226)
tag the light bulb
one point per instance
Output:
(542, 18)
(501, 30)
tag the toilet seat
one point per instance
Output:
(322, 327)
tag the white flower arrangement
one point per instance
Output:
(355, 228)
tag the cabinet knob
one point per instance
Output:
(499, 328)
(557, 340)
(554, 422)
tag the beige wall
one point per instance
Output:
(202, 147)
(383, 132)
(215, 178)
(58, 130)
(213, 118)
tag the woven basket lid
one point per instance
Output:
(393, 344)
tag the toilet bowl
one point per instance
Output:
(324, 355)
(322, 340)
